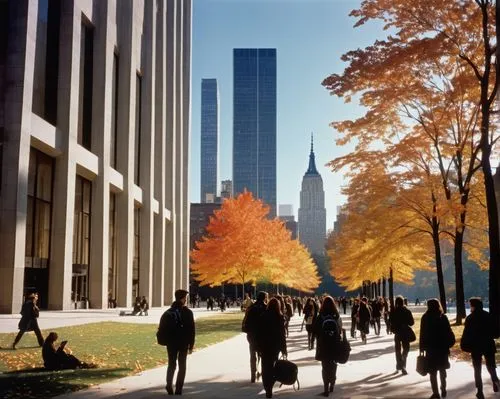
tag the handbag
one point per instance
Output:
(407, 334)
(286, 372)
(344, 349)
(422, 366)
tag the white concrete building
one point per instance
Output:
(94, 144)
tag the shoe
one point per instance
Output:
(178, 392)
(404, 372)
(480, 395)
(443, 392)
(496, 386)
(169, 389)
(326, 393)
(435, 396)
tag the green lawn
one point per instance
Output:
(119, 349)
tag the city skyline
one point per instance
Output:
(308, 53)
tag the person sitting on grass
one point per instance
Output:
(144, 306)
(137, 306)
(58, 359)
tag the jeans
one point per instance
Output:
(268, 360)
(176, 355)
(401, 356)
(328, 372)
(253, 357)
(477, 360)
(434, 383)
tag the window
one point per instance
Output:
(112, 266)
(86, 78)
(81, 239)
(136, 261)
(138, 120)
(114, 110)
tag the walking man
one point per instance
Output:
(178, 330)
(29, 320)
(250, 325)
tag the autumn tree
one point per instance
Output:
(243, 246)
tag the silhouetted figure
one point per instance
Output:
(478, 338)
(144, 306)
(58, 359)
(29, 320)
(436, 339)
(310, 314)
(401, 320)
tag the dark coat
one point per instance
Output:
(271, 335)
(436, 337)
(401, 318)
(184, 340)
(479, 333)
(311, 309)
(29, 315)
(323, 352)
(250, 323)
(376, 309)
(364, 317)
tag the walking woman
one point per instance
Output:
(363, 319)
(354, 317)
(310, 314)
(401, 319)
(478, 338)
(328, 330)
(271, 341)
(29, 322)
(436, 339)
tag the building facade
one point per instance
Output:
(209, 160)
(94, 139)
(226, 190)
(254, 124)
(312, 211)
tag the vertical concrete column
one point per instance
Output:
(187, 18)
(147, 171)
(159, 176)
(179, 144)
(101, 129)
(61, 267)
(125, 161)
(171, 166)
(18, 86)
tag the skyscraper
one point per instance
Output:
(312, 212)
(209, 163)
(254, 124)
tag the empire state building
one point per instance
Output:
(312, 212)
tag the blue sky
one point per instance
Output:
(310, 36)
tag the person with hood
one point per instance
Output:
(478, 338)
(436, 339)
(177, 323)
(250, 326)
(328, 330)
(271, 340)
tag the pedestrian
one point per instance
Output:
(344, 304)
(401, 320)
(247, 303)
(310, 314)
(328, 330)
(377, 308)
(144, 306)
(29, 320)
(354, 317)
(478, 338)
(363, 319)
(250, 326)
(386, 316)
(436, 339)
(178, 330)
(300, 306)
(288, 313)
(271, 341)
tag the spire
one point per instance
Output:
(312, 163)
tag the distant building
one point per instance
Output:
(312, 211)
(209, 159)
(226, 190)
(285, 210)
(254, 124)
(199, 219)
(341, 218)
(290, 224)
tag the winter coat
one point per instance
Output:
(184, 339)
(323, 351)
(401, 318)
(364, 317)
(250, 322)
(310, 309)
(271, 335)
(479, 333)
(436, 337)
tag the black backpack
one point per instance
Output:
(286, 372)
(330, 332)
(170, 327)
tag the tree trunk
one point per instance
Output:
(383, 287)
(459, 277)
(439, 264)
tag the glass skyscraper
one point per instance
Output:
(209, 163)
(254, 124)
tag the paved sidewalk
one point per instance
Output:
(222, 371)
(54, 319)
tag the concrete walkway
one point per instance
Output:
(222, 371)
(54, 319)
